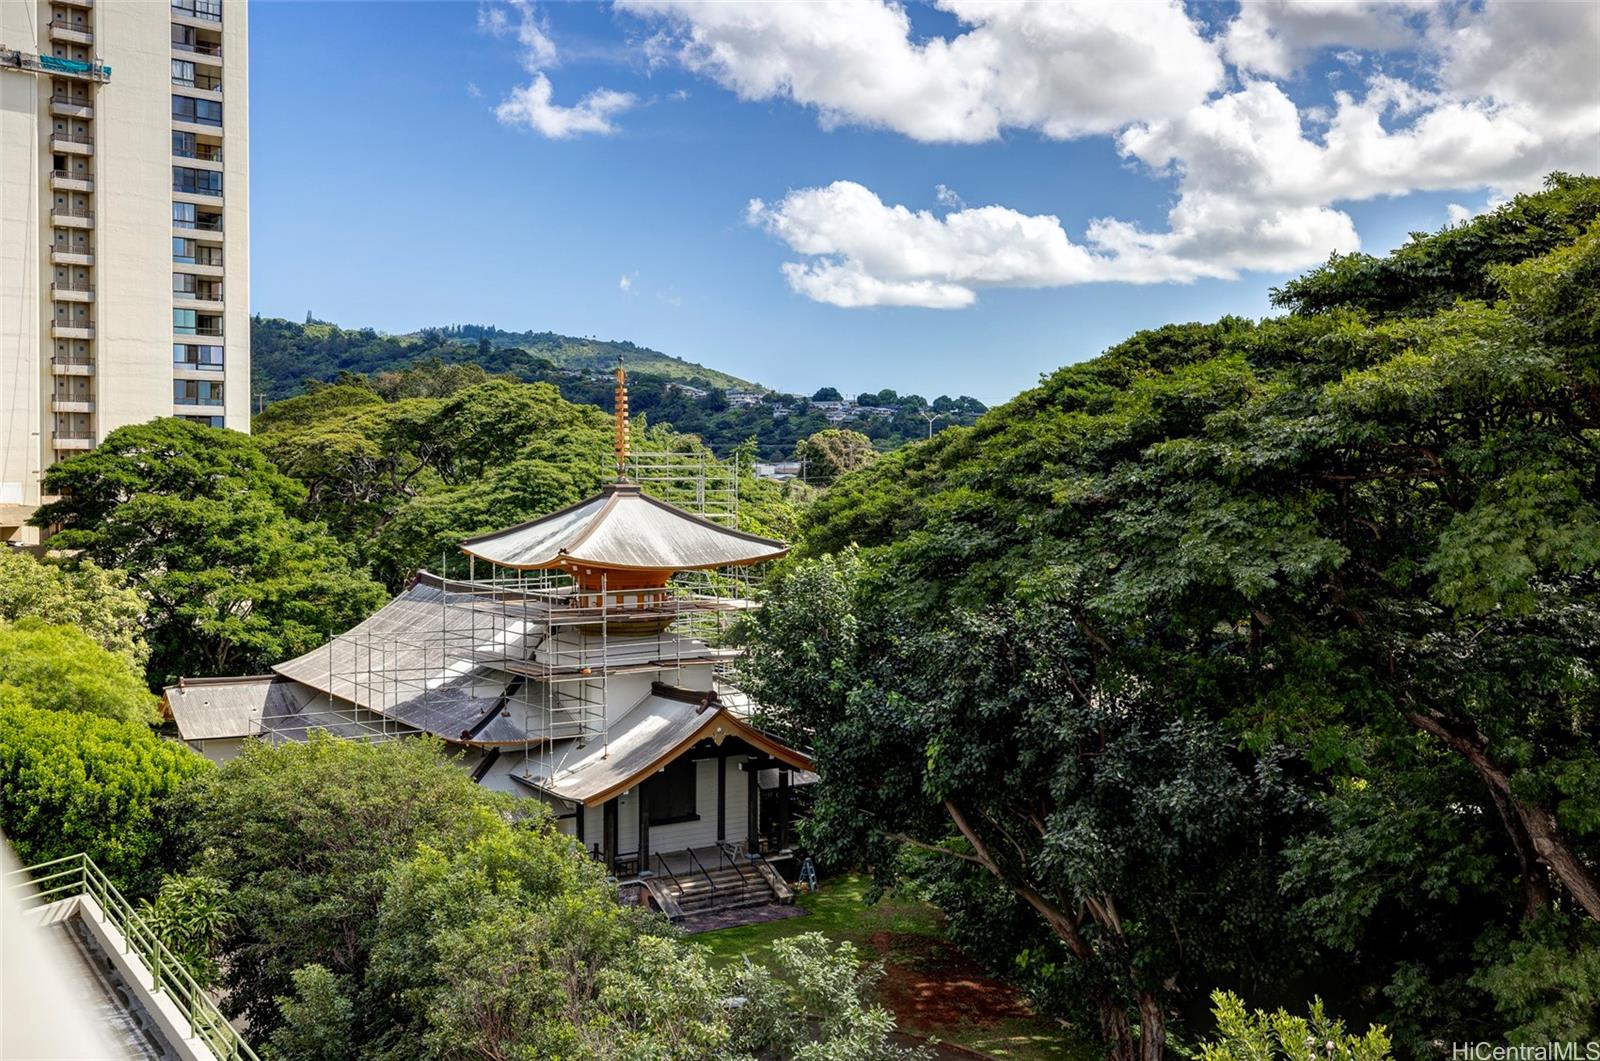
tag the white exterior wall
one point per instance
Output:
(133, 193)
(700, 833)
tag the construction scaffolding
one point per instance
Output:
(524, 662)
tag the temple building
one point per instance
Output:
(581, 663)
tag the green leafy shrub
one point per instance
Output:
(64, 669)
(75, 782)
(1255, 1035)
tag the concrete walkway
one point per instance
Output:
(744, 915)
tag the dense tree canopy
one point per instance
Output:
(61, 668)
(75, 592)
(827, 455)
(72, 782)
(201, 523)
(1327, 582)
(382, 905)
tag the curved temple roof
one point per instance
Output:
(621, 527)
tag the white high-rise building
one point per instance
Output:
(124, 226)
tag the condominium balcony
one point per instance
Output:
(202, 304)
(201, 153)
(72, 143)
(199, 268)
(85, 4)
(204, 331)
(200, 198)
(71, 256)
(71, 330)
(71, 216)
(71, 405)
(72, 365)
(66, 31)
(75, 438)
(62, 180)
(201, 86)
(71, 106)
(201, 53)
(72, 291)
(206, 227)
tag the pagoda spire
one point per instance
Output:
(622, 420)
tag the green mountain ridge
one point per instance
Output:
(285, 355)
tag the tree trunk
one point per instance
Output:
(1535, 884)
(1542, 832)
(1152, 1028)
(1117, 1031)
(1115, 1028)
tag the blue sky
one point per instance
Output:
(386, 192)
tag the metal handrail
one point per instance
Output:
(58, 285)
(214, 155)
(196, 83)
(199, 226)
(666, 871)
(78, 875)
(198, 49)
(76, 101)
(81, 27)
(69, 175)
(725, 850)
(72, 138)
(704, 873)
(72, 211)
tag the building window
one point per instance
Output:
(183, 215)
(183, 321)
(671, 793)
(209, 421)
(208, 358)
(196, 181)
(196, 392)
(207, 9)
(182, 72)
(198, 111)
(183, 250)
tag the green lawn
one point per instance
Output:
(839, 911)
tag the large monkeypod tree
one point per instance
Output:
(1151, 629)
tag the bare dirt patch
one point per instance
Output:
(930, 986)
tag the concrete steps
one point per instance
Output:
(721, 888)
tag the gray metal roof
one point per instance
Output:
(219, 708)
(427, 659)
(658, 729)
(622, 527)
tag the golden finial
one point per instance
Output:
(622, 421)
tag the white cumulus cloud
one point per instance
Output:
(1064, 69)
(1508, 94)
(532, 106)
(1277, 37)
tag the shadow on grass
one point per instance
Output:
(933, 990)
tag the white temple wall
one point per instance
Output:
(699, 833)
